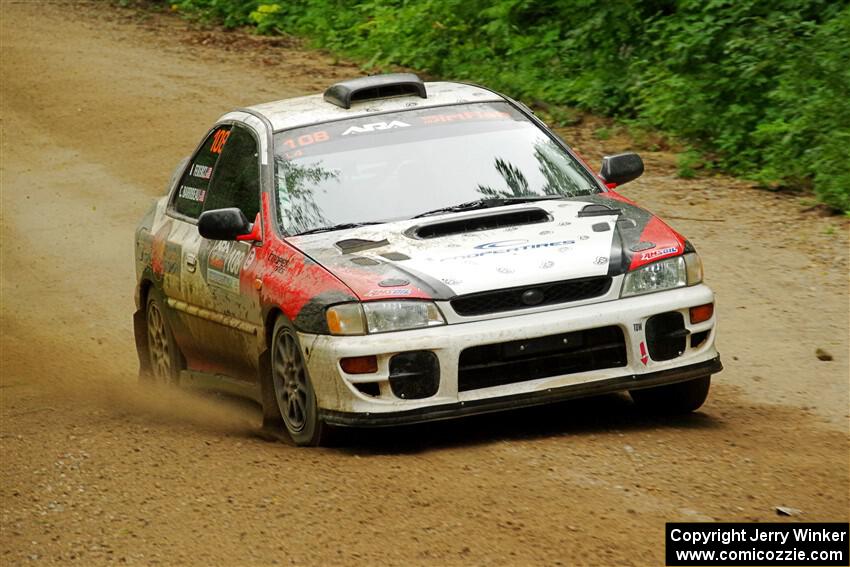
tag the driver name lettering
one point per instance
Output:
(192, 193)
(201, 171)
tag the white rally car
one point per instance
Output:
(396, 251)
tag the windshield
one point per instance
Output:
(393, 166)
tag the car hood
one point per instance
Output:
(441, 257)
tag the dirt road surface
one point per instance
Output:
(97, 108)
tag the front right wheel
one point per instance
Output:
(293, 390)
(681, 397)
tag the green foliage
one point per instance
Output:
(687, 164)
(761, 84)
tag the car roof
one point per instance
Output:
(314, 109)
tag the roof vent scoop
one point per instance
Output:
(375, 87)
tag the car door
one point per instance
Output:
(219, 280)
(175, 242)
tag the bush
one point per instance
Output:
(761, 84)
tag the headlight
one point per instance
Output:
(382, 316)
(664, 274)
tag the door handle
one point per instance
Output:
(191, 262)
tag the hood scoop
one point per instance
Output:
(477, 222)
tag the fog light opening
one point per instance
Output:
(359, 364)
(701, 313)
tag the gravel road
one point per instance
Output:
(99, 104)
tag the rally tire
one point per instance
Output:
(164, 358)
(293, 390)
(678, 398)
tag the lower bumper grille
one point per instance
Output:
(542, 357)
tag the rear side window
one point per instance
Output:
(237, 175)
(194, 185)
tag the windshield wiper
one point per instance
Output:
(486, 204)
(342, 226)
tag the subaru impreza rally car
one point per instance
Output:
(394, 251)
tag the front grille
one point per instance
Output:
(542, 357)
(535, 295)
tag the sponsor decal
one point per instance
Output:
(461, 116)
(643, 356)
(547, 264)
(637, 327)
(489, 249)
(659, 253)
(501, 244)
(192, 194)
(201, 171)
(158, 248)
(224, 263)
(375, 126)
(387, 292)
(278, 263)
(505, 270)
(171, 258)
(250, 257)
(600, 260)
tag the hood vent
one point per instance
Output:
(350, 245)
(482, 221)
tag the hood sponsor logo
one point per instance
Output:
(488, 249)
(375, 126)
(659, 253)
(501, 244)
(387, 292)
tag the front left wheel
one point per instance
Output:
(293, 390)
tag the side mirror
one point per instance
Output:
(224, 224)
(621, 168)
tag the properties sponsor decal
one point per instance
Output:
(508, 247)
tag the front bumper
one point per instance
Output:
(529, 399)
(342, 402)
